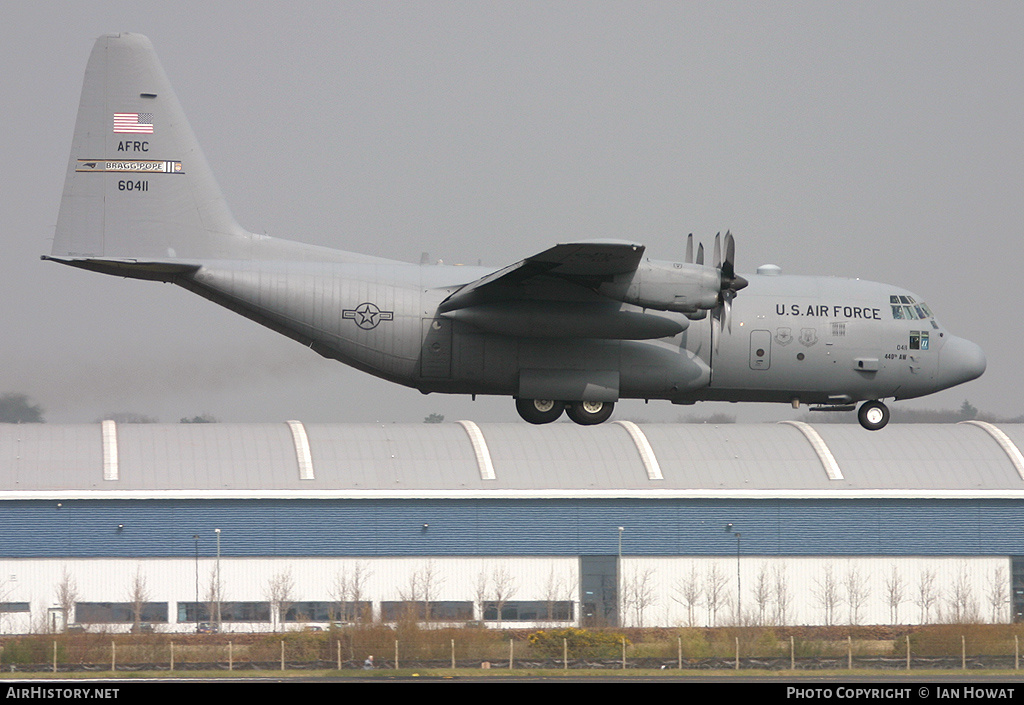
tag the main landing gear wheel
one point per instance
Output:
(589, 413)
(873, 415)
(539, 411)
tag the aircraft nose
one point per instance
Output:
(960, 361)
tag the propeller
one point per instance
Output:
(731, 282)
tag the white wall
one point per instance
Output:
(967, 582)
(662, 580)
(247, 579)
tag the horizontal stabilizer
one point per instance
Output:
(135, 269)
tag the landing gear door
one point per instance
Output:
(760, 349)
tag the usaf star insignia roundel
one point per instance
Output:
(367, 315)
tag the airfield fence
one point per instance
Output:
(952, 647)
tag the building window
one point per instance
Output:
(119, 612)
(329, 612)
(229, 611)
(7, 607)
(559, 611)
(437, 611)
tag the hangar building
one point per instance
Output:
(261, 526)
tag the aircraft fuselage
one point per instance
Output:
(818, 340)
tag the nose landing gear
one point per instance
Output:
(873, 415)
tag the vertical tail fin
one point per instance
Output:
(138, 185)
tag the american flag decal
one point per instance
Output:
(134, 123)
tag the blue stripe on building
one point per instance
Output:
(165, 528)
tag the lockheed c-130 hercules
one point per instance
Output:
(574, 328)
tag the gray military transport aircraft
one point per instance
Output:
(574, 328)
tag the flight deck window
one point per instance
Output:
(904, 308)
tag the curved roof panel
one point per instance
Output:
(509, 460)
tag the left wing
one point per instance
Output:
(555, 294)
(586, 263)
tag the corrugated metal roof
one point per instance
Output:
(557, 460)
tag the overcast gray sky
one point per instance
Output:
(878, 140)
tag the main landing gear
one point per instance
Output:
(585, 413)
(873, 415)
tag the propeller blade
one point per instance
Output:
(700, 253)
(728, 268)
(689, 248)
(718, 251)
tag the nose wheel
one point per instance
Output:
(873, 415)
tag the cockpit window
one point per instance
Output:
(904, 308)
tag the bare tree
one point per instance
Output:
(6, 588)
(422, 589)
(138, 596)
(826, 594)
(280, 593)
(214, 598)
(349, 592)
(411, 596)
(431, 583)
(998, 593)
(67, 595)
(856, 591)
(481, 592)
(926, 593)
(638, 594)
(715, 592)
(503, 589)
(552, 593)
(570, 591)
(783, 597)
(963, 609)
(762, 593)
(895, 593)
(688, 591)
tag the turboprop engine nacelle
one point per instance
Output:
(668, 286)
